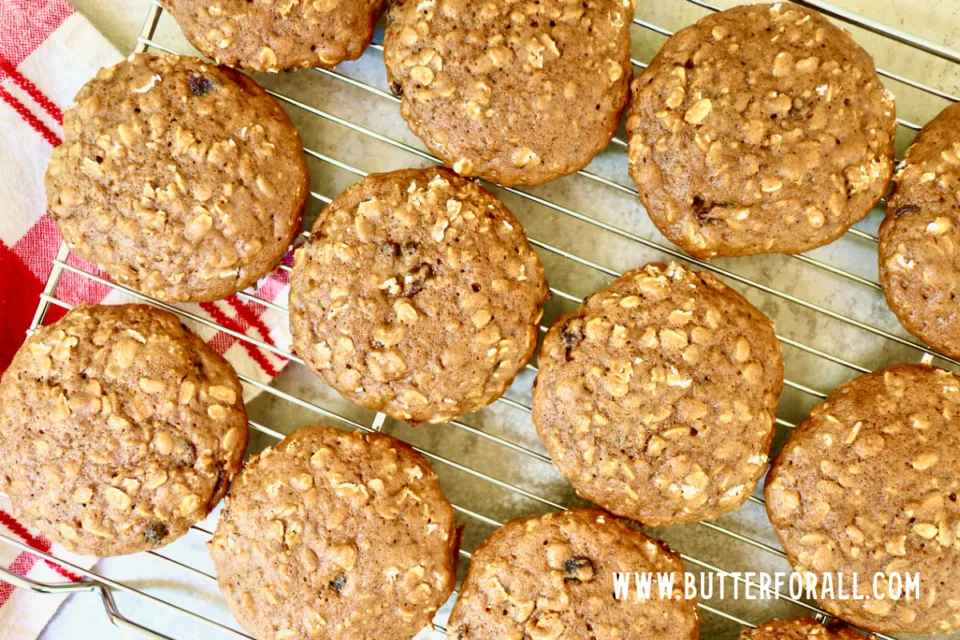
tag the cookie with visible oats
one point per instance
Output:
(551, 577)
(336, 535)
(920, 237)
(417, 295)
(760, 129)
(120, 429)
(265, 35)
(180, 179)
(657, 398)
(518, 93)
(868, 484)
(800, 629)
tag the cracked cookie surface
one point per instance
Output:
(920, 237)
(551, 578)
(121, 429)
(517, 93)
(417, 295)
(182, 180)
(800, 629)
(266, 35)
(657, 399)
(869, 484)
(336, 535)
(760, 129)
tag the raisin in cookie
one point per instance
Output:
(417, 295)
(760, 129)
(515, 93)
(552, 577)
(336, 535)
(264, 35)
(120, 429)
(920, 237)
(868, 484)
(657, 399)
(180, 179)
(800, 629)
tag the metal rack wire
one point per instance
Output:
(96, 583)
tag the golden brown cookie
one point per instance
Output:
(868, 484)
(336, 535)
(120, 429)
(180, 179)
(800, 629)
(515, 93)
(264, 35)
(417, 295)
(760, 129)
(920, 237)
(657, 399)
(551, 577)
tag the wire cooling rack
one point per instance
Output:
(802, 314)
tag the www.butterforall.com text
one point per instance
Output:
(752, 585)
